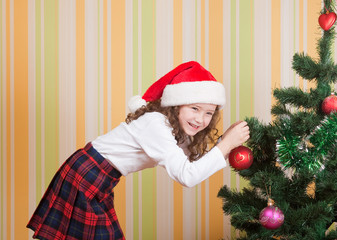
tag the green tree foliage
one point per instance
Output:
(296, 150)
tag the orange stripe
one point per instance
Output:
(118, 90)
(215, 66)
(275, 45)
(300, 46)
(8, 120)
(105, 67)
(80, 84)
(21, 118)
(313, 32)
(177, 32)
(177, 59)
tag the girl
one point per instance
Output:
(171, 125)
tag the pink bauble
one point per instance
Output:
(271, 217)
(330, 104)
(240, 158)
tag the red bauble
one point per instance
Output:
(330, 104)
(326, 20)
(271, 217)
(240, 158)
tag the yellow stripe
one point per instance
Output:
(80, 84)
(215, 67)
(21, 118)
(118, 90)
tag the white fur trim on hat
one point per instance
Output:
(194, 92)
(135, 103)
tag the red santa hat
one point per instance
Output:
(186, 84)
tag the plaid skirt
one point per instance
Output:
(79, 202)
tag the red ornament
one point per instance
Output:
(271, 217)
(240, 158)
(326, 20)
(330, 104)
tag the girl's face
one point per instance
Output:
(194, 118)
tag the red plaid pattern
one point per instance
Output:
(78, 203)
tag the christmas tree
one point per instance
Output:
(294, 172)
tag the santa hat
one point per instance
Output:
(186, 84)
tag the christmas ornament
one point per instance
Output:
(271, 217)
(240, 158)
(326, 20)
(330, 104)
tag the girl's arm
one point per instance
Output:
(234, 136)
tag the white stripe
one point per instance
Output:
(198, 33)
(262, 60)
(4, 125)
(140, 206)
(237, 52)
(198, 187)
(207, 67)
(297, 37)
(207, 34)
(31, 110)
(100, 69)
(140, 47)
(91, 70)
(287, 47)
(164, 63)
(189, 41)
(67, 79)
(207, 207)
(305, 34)
(199, 212)
(188, 30)
(237, 100)
(140, 213)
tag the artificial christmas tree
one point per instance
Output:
(295, 157)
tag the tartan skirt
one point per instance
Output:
(79, 202)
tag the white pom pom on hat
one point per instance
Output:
(186, 84)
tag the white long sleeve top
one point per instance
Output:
(148, 142)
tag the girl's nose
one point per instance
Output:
(199, 118)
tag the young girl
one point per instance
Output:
(172, 125)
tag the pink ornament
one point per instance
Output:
(271, 217)
(240, 158)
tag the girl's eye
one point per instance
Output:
(210, 113)
(195, 108)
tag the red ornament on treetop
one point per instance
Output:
(240, 158)
(330, 104)
(326, 20)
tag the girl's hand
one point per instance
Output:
(234, 136)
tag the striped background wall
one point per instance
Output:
(68, 68)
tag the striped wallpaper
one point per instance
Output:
(68, 68)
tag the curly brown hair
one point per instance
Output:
(198, 144)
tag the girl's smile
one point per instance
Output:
(194, 118)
